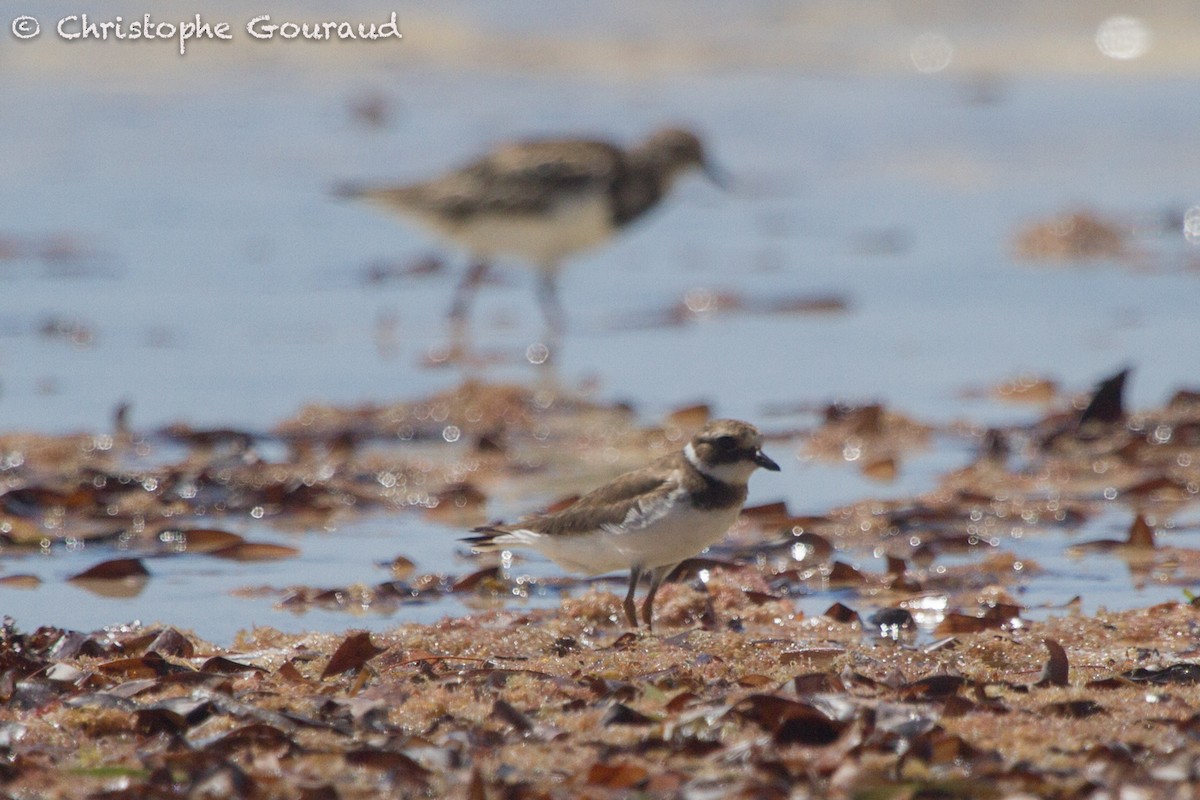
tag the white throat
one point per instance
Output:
(736, 473)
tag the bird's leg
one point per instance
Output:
(464, 293)
(547, 291)
(656, 579)
(635, 574)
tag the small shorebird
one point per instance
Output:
(541, 201)
(648, 520)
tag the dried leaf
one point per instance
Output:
(171, 642)
(939, 748)
(621, 714)
(255, 551)
(933, 687)
(21, 581)
(477, 580)
(175, 715)
(1183, 673)
(759, 598)
(507, 713)
(1074, 709)
(22, 532)
(955, 623)
(616, 776)
(791, 722)
(220, 665)
(34, 501)
(755, 681)
(681, 701)
(402, 568)
(354, 651)
(116, 569)
(150, 665)
(255, 734)
(119, 577)
(883, 470)
(65, 673)
(1057, 669)
(839, 612)
(818, 683)
(1141, 535)
(842, 574)
(291, 674)
(1107, 405)
(996, 616)
(206, 540)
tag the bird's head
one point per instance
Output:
(728, 450)
(677, 150)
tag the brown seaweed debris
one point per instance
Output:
(472, 409)
(498, 707)
(1073, 236)
(870, 436)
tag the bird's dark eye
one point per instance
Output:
(725, 442)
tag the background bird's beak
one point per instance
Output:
(718, 176)
(764, 461)
(348, 191)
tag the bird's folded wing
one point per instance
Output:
(521, 178)
(630, 502)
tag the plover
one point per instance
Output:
(541, 201)
(648, 520)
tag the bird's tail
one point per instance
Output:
(389, 198)
(349, 190)
(484, 540)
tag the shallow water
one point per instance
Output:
(208, 275)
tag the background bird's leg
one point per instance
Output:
(464, 293)
(656, 579)
(635, 574)
(547, 291)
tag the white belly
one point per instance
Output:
(543, 240)
(678, 535)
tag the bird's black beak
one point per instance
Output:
(764, 461)
(350, 191)
(718, 176)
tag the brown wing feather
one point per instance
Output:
(525, 177)
(580, 518)
(607, 505)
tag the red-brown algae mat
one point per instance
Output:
(559, 705)
(925, 670)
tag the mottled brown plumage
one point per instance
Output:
(542, 200)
